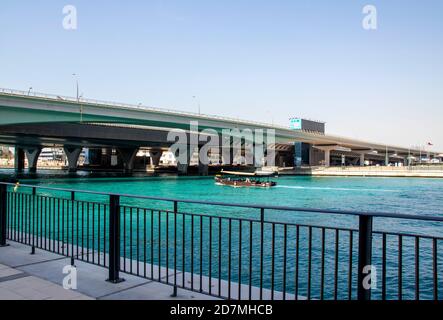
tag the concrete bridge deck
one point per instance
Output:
(31, 121)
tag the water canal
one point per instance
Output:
(397, 195)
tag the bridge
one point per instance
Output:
(31, 121)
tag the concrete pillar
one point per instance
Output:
(238, 150)
(106, 155)
(155, 155)
(203, 167)
(259, 154)
(182, 167)
(72, 154)
(227, 156)
(19, 160)
(362, 159)
(127, 156)
(278, 159)
(302, 154)
(86, 156)
(387, 159)
(327, 157)
(32, 155)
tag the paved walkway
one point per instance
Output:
(40, 276)
(19, 285)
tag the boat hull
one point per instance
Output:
(244, 183)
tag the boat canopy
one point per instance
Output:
(250, 174)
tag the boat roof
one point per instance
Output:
(251, 174)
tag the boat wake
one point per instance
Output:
(337, 189)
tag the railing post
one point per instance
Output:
(34, 193)
(262, 226)
(364, 256)
(72, 228)
(174, 290)
(3, 211)
(114, 239)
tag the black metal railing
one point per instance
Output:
(232, 251)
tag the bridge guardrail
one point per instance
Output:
(130, 106)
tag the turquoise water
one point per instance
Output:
(402, 195)
(419, 196)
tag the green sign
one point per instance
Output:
(295, 124)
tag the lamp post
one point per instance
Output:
(78, 96)
(198, 103)
(29, 91)
(76, 81)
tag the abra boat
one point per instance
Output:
(245, 179)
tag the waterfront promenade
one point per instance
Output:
(210, 247)
(39, 277)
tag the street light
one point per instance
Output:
(198, 102)
(29, 91)
(81, 107)
(76, 80)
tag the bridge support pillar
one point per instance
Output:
(32, 155)
(362, 159)
(278, 159)
(227, 150)
(128, 156)
(269, 155)
(327, 152)
(72, 154)
(182, 167)
(327, 158)
(302, 154)
(259, 156)
(203, 163)
(227, 155)
(19, 160)
(155, 155)
(203, 169)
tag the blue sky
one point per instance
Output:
(258, 60)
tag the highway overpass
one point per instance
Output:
(31, 121)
